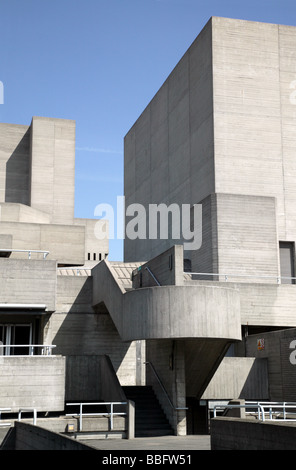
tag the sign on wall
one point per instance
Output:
(260, 344)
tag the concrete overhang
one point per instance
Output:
(181, 312)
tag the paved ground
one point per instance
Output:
(171, 443)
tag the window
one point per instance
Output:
(287, 262)
(16, 339)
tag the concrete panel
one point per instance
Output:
(32, 382)
(53, 167)
(64, 242)
(239, 377)
(246, 434)
(14, 212)
(95, 249)
(277, 348)
(181, 312)
(14, 163)
(29, 437)
(164, 144)
(262, 304)
(247, 236)
(92, 378)
(28, 282)
(255, 113)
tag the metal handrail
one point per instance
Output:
(152, 275)
(47, 348)
(26, 410)
(163, 389)
(252, 276)
(255, 405)
(266, 408)
(110, 415)
(13, 250)
(273, 406)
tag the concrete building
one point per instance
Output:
(197, 326)
(220, 133)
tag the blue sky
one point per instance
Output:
(100, 62)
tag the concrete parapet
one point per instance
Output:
(19, 375)
(25, 436)
(181, 312)
(28, 282)
(247, 434)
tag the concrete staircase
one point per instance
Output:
(150, 419)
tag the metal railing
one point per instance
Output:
(265, 410)
(13, 250)
(21, 410)
(45, 351)
(224, 407)
(110, 415)
(250, 276)
(152, 275)
(277, 410)
(28, 410)
(163, 389)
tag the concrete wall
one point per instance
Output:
(53, 167)
(220, 131)
(166, 268)
(65, 243)
(254, 114)
(28, 282)
(244, 434)
(247, 241)
(95, 248)
(262, 303)
(91, 378)
(169, 152)
(14, 163)
(14, 212)
(239, 377)
(181, 312)
(277, 348)
(76, 329)
(32, 382)
(28, 437)
(38, 166)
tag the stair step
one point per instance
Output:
(150, 419)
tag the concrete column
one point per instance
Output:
(131, 420)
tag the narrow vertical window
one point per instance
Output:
(287, 262)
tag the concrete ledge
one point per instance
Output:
(247, 434)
